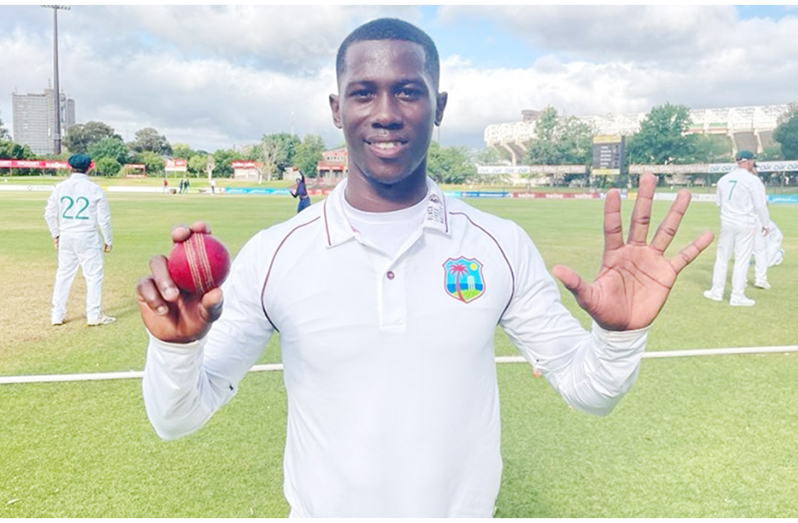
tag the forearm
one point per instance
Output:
(178, 396)
(596, 374)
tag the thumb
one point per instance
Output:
(574, 283)
(212, 305)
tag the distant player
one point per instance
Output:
(761, 242)
(301, 192)
(743, 204)
(74, 211)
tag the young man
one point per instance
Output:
(387, 339)
(74, 211)
(743, 205)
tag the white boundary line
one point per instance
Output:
(103, 376)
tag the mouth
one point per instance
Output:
(386, 148)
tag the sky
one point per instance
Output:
(219, 77)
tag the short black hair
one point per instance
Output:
(392, 29)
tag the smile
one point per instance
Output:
(386, 145)
(386, 148)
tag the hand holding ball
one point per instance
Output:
(199, 264)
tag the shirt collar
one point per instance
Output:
(339, 231)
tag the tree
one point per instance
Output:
(559, 141)
(222, 160)
(13, 151)
(663, 137)
(786, 133)
(449, 164)
(4, 134)
(148, 139)
(275, 153)
(153, 162)
(79, 137)
(308, 154)
(197, 164)
(111, 147)
(182, 151)
(107, 166)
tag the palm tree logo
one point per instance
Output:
(463, 278)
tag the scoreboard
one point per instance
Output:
(608, 155)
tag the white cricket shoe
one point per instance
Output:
(741, 301)
(712, 296)
(102, 320)
(762, 285)
(57, 322)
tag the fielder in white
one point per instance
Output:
(762, 239)
(743, 206)
(75, 210)
(387, 296)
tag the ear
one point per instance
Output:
(440, 107)
(336, 110)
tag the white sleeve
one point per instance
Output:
(590, 370)
(104, 218)
(184, 385)
(51, 214)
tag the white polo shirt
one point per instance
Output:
(393, 405)
(78, 205)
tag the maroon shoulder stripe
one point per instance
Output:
(271, 264)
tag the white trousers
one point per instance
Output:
(84, 250)
(740, 240)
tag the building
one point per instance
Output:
(34, 119)
(334, 165)
(746, 127)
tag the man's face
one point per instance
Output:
(387, 106)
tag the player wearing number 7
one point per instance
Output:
(742, 200)
(74, 211)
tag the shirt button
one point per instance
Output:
(390, 275)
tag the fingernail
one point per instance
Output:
(162, 310)
(171, 292)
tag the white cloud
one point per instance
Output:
(217, 76)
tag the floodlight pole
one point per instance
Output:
(56, 86)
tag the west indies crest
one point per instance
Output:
(463, 278)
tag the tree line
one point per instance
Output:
(663, 139)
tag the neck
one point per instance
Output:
(367, 194)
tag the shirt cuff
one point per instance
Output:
(176, 348)
(630, 340)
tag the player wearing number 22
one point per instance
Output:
(387, 336)
(75, 210)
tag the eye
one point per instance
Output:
(361, 94)
(409, 93)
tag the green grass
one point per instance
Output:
(696, 437)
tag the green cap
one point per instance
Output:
(80, 162)
(745, 154)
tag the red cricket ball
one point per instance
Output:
(199, 264)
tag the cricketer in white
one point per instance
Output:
(387, 346)
(393, 405)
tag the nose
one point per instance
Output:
(386, 113)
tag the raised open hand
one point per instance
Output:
(635, 278)
(169, 314)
